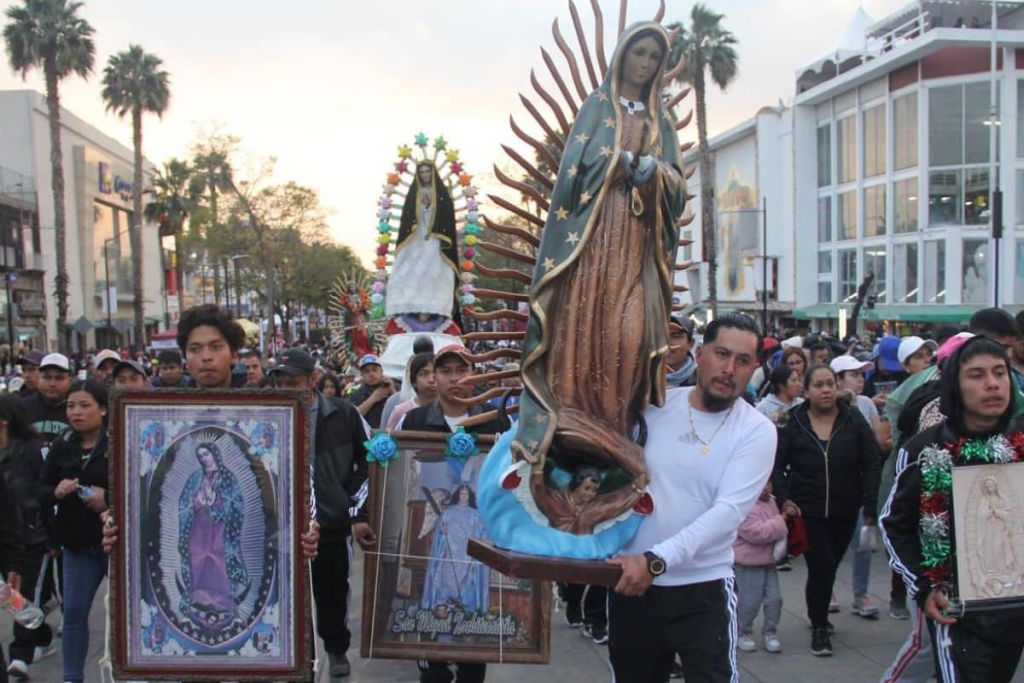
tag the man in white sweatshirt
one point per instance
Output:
(709, 454)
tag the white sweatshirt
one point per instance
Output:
(701, 500)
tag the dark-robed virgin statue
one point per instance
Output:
(425, 270)
(602, 292)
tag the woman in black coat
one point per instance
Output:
(826, 468)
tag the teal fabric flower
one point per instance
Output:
(461, 445)
(381, 449)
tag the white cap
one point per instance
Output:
(910, 345)
(55, 360)
(104, 355)
(846, 363)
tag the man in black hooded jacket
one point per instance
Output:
(977, 399)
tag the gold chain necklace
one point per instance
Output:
(705, 446)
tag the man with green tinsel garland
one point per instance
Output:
(979, 403)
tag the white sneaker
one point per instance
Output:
(772, 643)
(833, 604)
(44, 652)
(18, 669)
(747, 643)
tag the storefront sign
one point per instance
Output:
(114, 184)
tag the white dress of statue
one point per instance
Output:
(421, 281)
(995, 517)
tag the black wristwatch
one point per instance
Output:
(655, 565)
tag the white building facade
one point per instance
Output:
(883, 165)
(98, 173)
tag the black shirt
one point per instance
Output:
(374, 414)
(49, 420)
(75, 525)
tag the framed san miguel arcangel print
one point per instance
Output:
(423, 596)
(210, 498)
(988, 531)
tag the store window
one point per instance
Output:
(1018, 273)
(824, 292)
(874, 211)
(976, 200)
(944, 197)
(905, 205)
(874, 264)
(974, 265)
(824, 155)
(904, 273)
(110, 227)
(946, 126)
(977, 127)
(846, 149)
(934, 268)
(847, 214)
(824, 220)
(874, 141)
(847, 274)
(904, 131)
(824, 262)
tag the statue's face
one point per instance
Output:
(425, 174)
(642, 59)
(206, 458)
(990, 485)
(587, 491)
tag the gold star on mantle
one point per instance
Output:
(573, 238)
(561, 214)
(606, 151)
(582, 138)
(548, 264)
(585, 197)
(609, 122)
(573, 170)
(601, 95)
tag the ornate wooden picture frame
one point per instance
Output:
(423, 596)
(210, 493)
(987, 522)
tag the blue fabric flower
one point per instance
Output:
(381, 449)
(461, 445)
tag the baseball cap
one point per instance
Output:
(846, 363)
(684, 323)
(452, 349)
(951, 345)
(105, 355)
(169, 357)
(888, 352)
(133, 364)
(911, 345)
(368, 359)
(769, 344)
(33, 357)
(55, 360)
(295, 362)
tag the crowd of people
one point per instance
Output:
(802, 446)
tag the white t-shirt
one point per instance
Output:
(701, 500)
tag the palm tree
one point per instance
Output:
(50, 34)
(212, 176)
(172, 203)
(134, 83)
(708, 49)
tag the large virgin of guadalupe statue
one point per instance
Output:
(602, 291)
(213, 579)
(426, 256)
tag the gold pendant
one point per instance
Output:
(705, 449)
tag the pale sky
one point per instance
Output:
(332, 87)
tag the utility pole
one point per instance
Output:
(106, 296)
(10, 305)
(996, 205)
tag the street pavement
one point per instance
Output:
(863, 647)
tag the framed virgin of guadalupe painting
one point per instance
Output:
(210, 496)
(424, 597)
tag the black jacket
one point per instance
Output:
(11, 547)
(74, 525)
(430, 418)
(832, 479)
(20, 464)
(339, 465)
(49, 420)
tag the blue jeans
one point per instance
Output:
(83, 572)
(861, 561)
